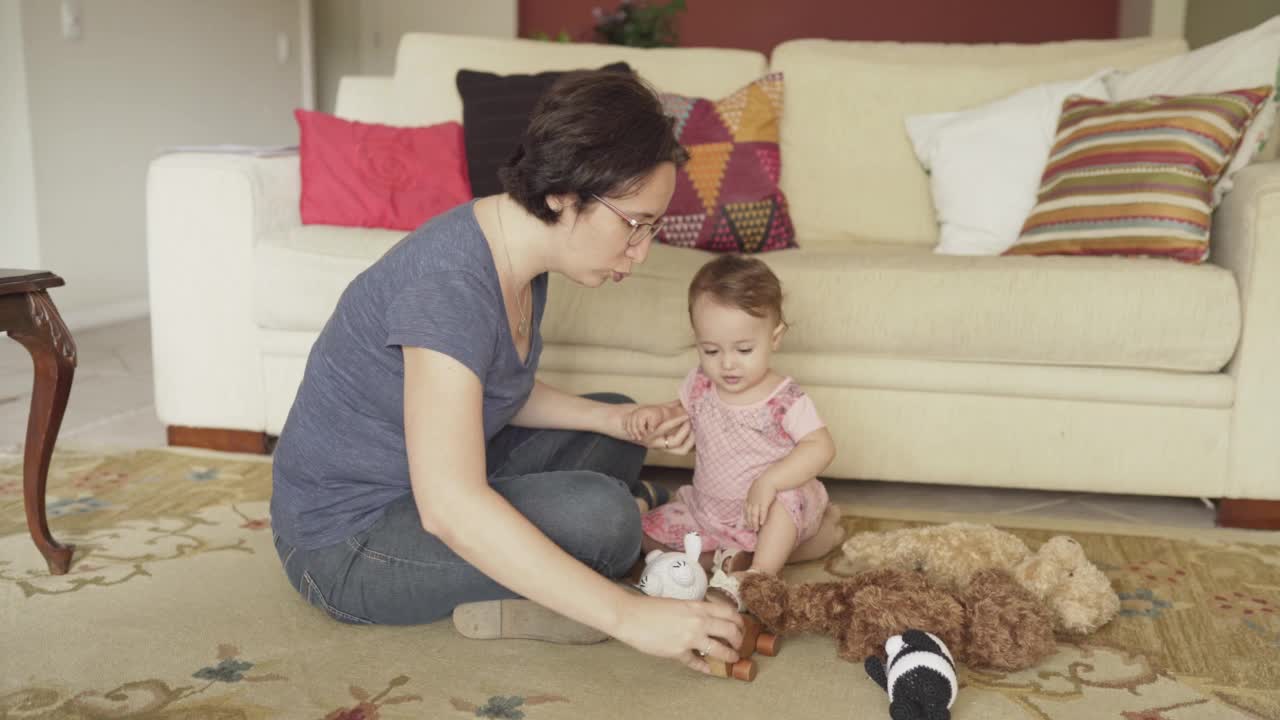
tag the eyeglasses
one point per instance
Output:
(640, 231)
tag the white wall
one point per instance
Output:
(19, 244)
(337, 47)
(360, 37)
(146, 74)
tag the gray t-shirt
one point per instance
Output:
(341, 457)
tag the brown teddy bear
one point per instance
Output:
(994, 623)
(1078, 593)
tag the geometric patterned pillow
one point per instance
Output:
(1137, 177)
(727, 197)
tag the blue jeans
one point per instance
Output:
(576, 487)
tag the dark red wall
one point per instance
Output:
(762, 24)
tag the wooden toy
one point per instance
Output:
(754, 640)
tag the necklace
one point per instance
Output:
(522, 327)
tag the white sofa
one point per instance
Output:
(1107, 375)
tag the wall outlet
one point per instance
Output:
(72, 15)
(282, 48)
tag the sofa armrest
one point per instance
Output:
(205, 213)
(1246, 241)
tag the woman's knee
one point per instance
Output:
(611, 456)
(602, 522)
(621, 457)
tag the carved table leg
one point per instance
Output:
(34, 321)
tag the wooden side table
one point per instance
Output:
(29, 316)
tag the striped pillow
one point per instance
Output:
(1137, 177)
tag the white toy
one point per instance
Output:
(676, 575)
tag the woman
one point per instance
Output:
(422, 470)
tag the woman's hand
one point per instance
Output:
(674, 435)
(681, 629)
(641, 421)
(759, 499)
(657, 427)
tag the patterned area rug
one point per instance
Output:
(176, 607)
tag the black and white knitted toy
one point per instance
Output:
(921, 676)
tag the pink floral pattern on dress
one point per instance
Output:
(779, 404)
(735, 444)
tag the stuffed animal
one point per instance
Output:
(675, 575)
(1078, 593)
(993, 623)
(920, 676)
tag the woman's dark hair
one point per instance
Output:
(594, 132)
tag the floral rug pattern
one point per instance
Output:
(175, 607)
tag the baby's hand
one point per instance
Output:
(642, 421)
(759, 500)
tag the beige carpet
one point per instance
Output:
(176, 607)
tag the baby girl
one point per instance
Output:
(760, 443)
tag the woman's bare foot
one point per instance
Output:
(828, 538)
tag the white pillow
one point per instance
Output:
(985, 163)
(1245, 60)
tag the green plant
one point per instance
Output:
(563, 37)
(640, 24)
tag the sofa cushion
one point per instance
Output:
(1246, 59)
(369, 175)
(849, 171)
(727, 197)
(1136, 177)
(903, 301)
(869, 299)
(495, 112)
(985, 164)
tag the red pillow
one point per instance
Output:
(727, 197)
(367, 175)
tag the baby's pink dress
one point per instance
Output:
(735, 445)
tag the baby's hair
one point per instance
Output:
(742, 282)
